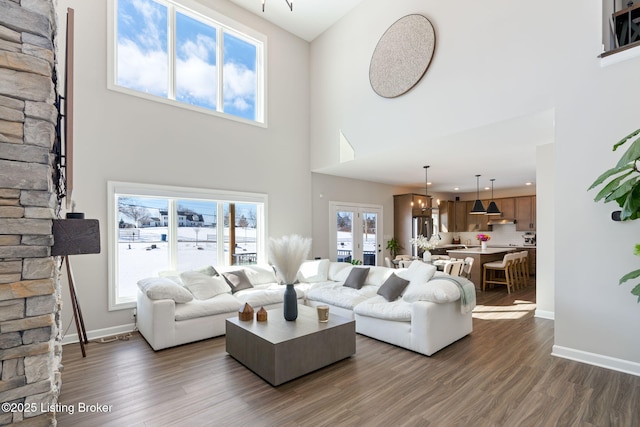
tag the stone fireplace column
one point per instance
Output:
(30, 344)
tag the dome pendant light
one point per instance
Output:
(492, 209)
(478, 207)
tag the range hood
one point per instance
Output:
(497, 221)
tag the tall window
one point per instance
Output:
(154, 229)
(167, 51)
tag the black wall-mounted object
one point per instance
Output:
(75, 237)
(615, 215)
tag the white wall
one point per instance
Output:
(326, 189)
(495, 60)
(545, 224)
(124, 138)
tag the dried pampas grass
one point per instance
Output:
(287, 255)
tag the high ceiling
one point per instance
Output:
(309, 18)
(505, 151)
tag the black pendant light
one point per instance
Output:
(492, 209)
(478, 207)
(426, 187)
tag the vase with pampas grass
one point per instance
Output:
(287, 255)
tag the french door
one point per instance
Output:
(356, 232)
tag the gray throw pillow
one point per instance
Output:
(238, 280)
(392, 288)
(356, 277)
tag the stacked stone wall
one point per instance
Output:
(30, 345)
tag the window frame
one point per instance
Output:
(117, 188)
(223, 25)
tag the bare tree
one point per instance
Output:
(137, 213)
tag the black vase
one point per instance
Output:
(290, 307)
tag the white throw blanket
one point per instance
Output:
(467, 292)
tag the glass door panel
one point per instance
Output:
(370, 245)
(355, 234)
(344, 236)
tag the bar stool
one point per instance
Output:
(468, 264)
(454, 268)
(506, 266)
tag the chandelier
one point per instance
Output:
(289, 3)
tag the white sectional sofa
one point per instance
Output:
(416, 308)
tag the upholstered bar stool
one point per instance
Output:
(506, 266)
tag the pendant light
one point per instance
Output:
(426, 187)
(478, 207)
(492, 209)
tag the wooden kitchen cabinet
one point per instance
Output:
(532, 261)
(447, 216)
(460, 216)
(507, 207)
(477, 222)
(526, 213)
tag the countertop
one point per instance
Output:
(488, 251)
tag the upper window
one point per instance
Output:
(621, 29)
(188, 56)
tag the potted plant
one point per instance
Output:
(393, 246)
(624, 188)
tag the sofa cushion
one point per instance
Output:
(436, 290)
(377, 275)
(334, 293)
(314, 271)
(207, 269)
(338, 271)
(260, 274)
(223, 303)
(417, 274)
(238, 280)
(203, 286)
(163, 288)
(380, 308)
(263, 295)
(392, 288)
(356, 277)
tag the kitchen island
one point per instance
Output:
(480, 257)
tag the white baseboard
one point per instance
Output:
(100, 333)
(612, 363)
(545, 314)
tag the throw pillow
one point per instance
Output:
(238, 280)
(356, 278)
(203, 286)
(392, 287)
(162, 288)
(417, 274)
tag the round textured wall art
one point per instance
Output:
(402, 56)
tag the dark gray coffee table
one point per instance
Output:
(279, 351)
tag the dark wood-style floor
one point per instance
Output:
(500, 375)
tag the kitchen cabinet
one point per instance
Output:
(526, 213)
(532, 261)
(407, 216)
(507, 207)
(460, 217)
(478, 222)
(447, 216)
